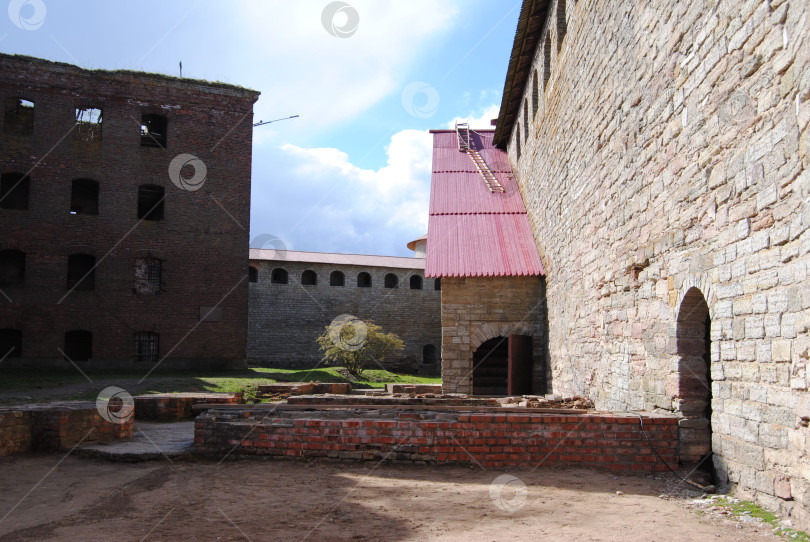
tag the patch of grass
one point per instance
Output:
(749, 508)
(46, 386)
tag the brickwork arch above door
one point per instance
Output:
(489, 330)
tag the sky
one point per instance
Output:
(368, 79)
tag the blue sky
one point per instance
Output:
(368, 79)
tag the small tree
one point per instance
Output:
(356, 345)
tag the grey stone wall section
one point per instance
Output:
(669, 151)
(476, 309)
(285, 319)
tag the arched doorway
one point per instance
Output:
(694, 395)
(491, 367)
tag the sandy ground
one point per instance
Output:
(52, 497)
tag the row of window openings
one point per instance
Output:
(562, 28)
(337, 278)
(79, 345)
(81, 273)
(15, 189)
(19, 121)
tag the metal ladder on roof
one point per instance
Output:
(463, 135)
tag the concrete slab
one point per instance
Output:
(151, 441)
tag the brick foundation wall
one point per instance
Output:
(476, 309)
(204, 252)
(607, 441)
(285, 319)
(57, 426)
(668, 152)
(178, 406)
(15, 431)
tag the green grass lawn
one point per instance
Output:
(39, 386)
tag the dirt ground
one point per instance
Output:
(50, 497)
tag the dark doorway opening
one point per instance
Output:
(491, 367)
(694, 399)
(78, 345)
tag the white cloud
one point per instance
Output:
(302, 69)
(479, 120)
(336, 205)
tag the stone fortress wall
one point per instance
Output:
(661, 149)
(285, 319)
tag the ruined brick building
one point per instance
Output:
(661, 149)
(124, 198)
(295, 295)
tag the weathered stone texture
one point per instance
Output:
(476, 309)
(285, 319)
(669, 151)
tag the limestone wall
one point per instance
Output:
(476, 309)
(668, 151)
(285, 319)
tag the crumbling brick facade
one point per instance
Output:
(661, 149)
(103, 258)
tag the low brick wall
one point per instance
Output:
(491, 439)
(178, 406)
(56, 426)
(15, 432)
(414, 388)
(303, 388)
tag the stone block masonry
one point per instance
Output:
(662, 157)
(609, 441)
(285, 319)
(476, 309)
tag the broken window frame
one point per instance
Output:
(18, 118)
(148, 276)
(154, 130)
(88, 124)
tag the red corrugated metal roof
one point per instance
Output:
(472, 231)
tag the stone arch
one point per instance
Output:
(489, 330)
(692, 386)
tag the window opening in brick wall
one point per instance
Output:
(253, 274)
(391, 280)
(147, 346)
(153, 131)
(309, 278)
(364, 280)
(10, 343)
(278, 276)
(416, 282)
(19, 117)
(78, 345)
(12, 269)
(148, 276)
(84, 197)
(81, 272)
(150, 202)
(14, 189)
(337, 279)
(88, 124)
